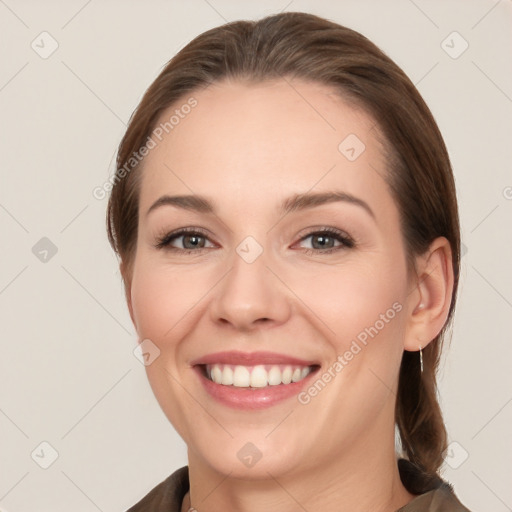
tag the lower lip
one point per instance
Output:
(253, 398)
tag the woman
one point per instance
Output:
(285, 214)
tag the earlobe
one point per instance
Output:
(430, 304)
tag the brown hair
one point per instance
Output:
(307, 47)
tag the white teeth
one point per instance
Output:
(287, 375)
(274, 376)
(258, 376)
(296, 375)
(227, 376)
(241, 377)
(216, 374)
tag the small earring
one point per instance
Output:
(421, 360)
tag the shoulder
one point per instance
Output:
(434, 494)
(166, 496)
(442, 499)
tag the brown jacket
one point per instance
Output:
(434, 494)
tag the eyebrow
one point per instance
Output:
(296, 202)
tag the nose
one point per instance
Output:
(250, 296)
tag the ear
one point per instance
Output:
(126, 275)
(429, 302)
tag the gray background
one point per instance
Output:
(68, 374)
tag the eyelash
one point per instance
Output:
(164, 241)
(347, 242)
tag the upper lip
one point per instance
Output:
(237, 357)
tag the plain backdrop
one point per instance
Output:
(73, 397)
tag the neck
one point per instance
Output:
(364, 478)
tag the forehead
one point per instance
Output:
(247, 142)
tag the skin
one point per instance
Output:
(247, 147)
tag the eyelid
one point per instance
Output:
(166, 237)
(344, 239)
(325, 229)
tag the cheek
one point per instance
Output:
(162, 297)
(165, 304)
(362, 306)
(355, 301)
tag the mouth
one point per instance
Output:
(253, 380)
(257, 376)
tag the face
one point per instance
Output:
(267, 286)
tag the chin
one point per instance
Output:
(246, 459)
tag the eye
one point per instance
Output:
(192, 240)
(323, 241)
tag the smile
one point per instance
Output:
(253, 380)
(259, 376)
